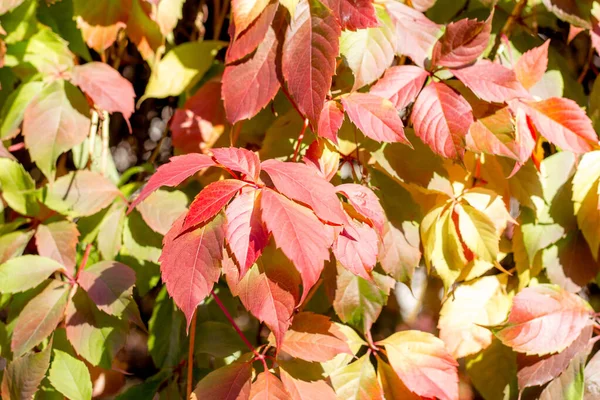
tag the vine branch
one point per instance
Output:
(190, 366)
(300, 139)
(508, 27)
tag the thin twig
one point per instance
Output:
(92, 137)
(190, 369)
(300, 138)
(84, 260)
(105, 142)
(508, 27)
(586, 66)
(16, 147)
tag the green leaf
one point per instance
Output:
(20, 23)
(218, 339)
(70, 376)
(44, 52)
(18, 188)
(110, 230)
(139, 240)
(357, 381)
(24, 375)
(494, 371)
(181, 68)
(147, 389)
(26, 272)
(359, 302)
(166, 341)
(54, 122)
(14, 108)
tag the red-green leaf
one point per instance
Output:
(365, 202)
(231, 382)
(353, 14)
(109, 284)
(376, 117)
(299, 234)
(544, 319)
(106, 87)
(211, 200)
(24, 375)
(462, 42)
(423, 364)
(532, 65)
(58, 241)
(245, 232)
(302, 183)
(267, 387)
(313, 337)
(491, 82)
(330, 121)
(562, 122)
(239, 160)
(311, 41)
(172, 174)
(303, 390)
(400, 84)
(190, 262)
(441, 119)
(40, 317)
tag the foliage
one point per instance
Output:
(363, 199)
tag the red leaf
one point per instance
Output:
(246, 42)
(376, 117)
(245, 232)
(400, 84)
(299, 234)
(211, 200)
(356, 248)
(302, 183)
(544, 319)
(324, 158)
(109, 284)
(309, 52)
(249, 86)
(245, 12)
(313, 337)
(462, 43)
(365, 202)
(491, 82)
(231, 382)
(532, 65)
(302, 390)
(537, 371)
(416, 34)
(172, 174)
(106, 87)
(201, 120)
(267, 387)
(239, 160)
(190, 263)
(269, 292)
(58, 241)
(562, 122)
(330, 121)
(100, 22)
(441, 118)
(353, 14)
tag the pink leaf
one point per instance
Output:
(172, 174)
(353, 14)
(562, 122)
(302, 183)
(400, 84)
(365, 202)
(231, 382)
(267, 387)
(109, 284)
(58, 241)
(441, 118)
(323, 158)
(313, 337)
(462, 43)
(491, 82)
(303, 390)
(299, 234)
(376, 117)
(106, 87)
(532, 65)
(330, 121)
(190, 262)
(211, 200)
(245, 232)
(356, 248)
(239, 160)
(422, 5)
(544, 319)
(250, 85)
(416, 34)
(309, 52)
(246, 42)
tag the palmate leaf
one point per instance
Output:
(239, 160)
(544, 319)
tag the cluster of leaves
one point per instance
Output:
(467, 153)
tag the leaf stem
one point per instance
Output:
(257, 355)
(15, 147)
(586, 67)
(300, 138)
(84, 260)
(508, 27)
(190, 366)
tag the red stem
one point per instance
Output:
(300, 138)
(258, 356)
(84, 260)
(190, 369)
(17, 146)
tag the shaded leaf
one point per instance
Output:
(494, 371)
(18, 188)
(231, 382)
(166, 340)
(58, 241)
(24, 374)
(462, 42)
(109, 284)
